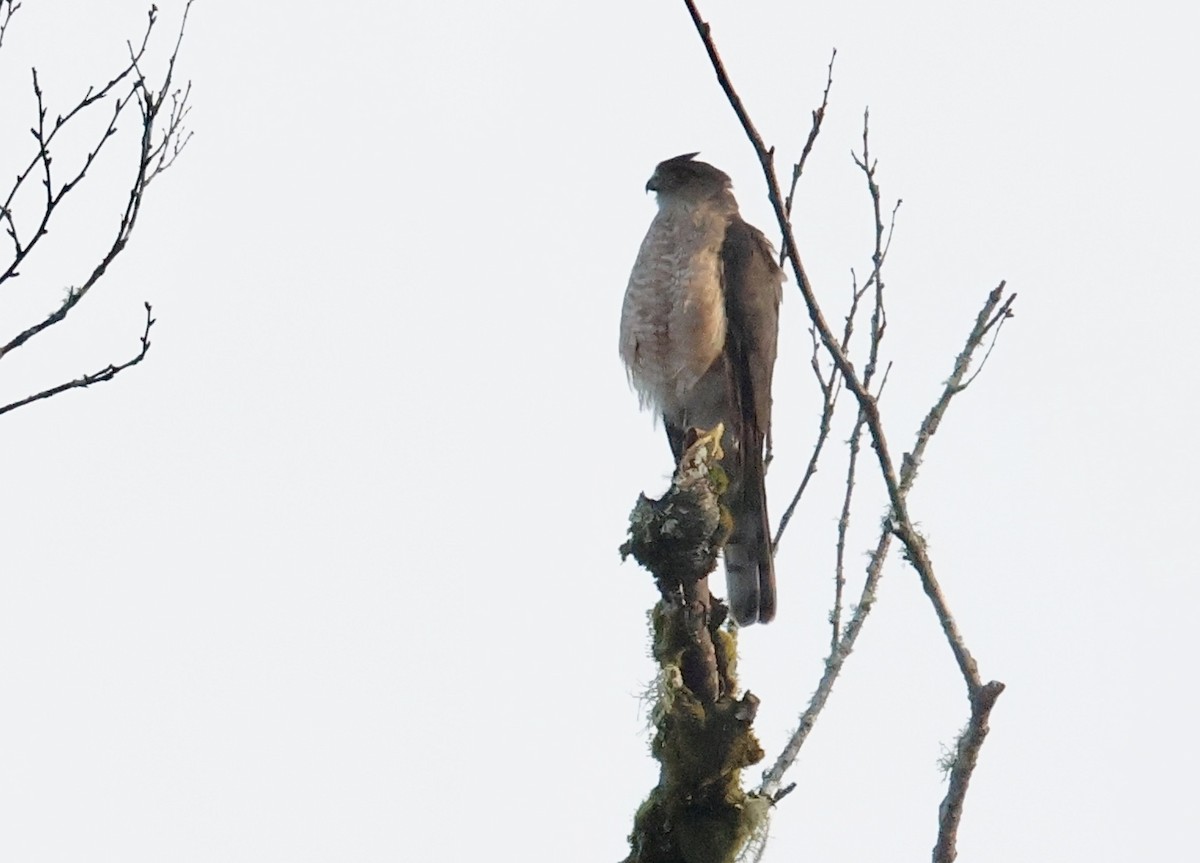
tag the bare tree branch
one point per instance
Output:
(898, 523)
(42, 159)
(105, 374)
(966, 756)
(162, 139)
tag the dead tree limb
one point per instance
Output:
(698, 812)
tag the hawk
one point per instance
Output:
(699, 327)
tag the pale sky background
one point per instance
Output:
(332, 576)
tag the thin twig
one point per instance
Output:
(9, 7)
(996, 307)
(878, 254)
(105, 374)
(818, 116)
(771, 786)
(997, 321)
(829, 391)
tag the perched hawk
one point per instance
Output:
(698, 333)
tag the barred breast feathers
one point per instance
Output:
(673, 319)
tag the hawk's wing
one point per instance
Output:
(753, 287)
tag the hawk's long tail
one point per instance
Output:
(749, 564)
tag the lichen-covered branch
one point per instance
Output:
(966, 755)
(703, 735)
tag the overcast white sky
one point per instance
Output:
(333, 574)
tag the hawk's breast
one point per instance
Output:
(673, 318)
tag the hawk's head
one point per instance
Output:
(683, 175)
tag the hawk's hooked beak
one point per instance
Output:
(652, 183)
